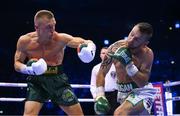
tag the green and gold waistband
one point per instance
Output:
(54, 70)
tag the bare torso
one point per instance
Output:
(52, 52)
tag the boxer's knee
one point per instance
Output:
(32, 108)
(120, 111)
(30, 112)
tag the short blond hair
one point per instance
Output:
(42, 13)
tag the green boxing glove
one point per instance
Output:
(122, 54)
(101, 105)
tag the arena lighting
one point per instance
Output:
(106, 42)
(157, 62)
(172, 62)
(170, 28)
(177, 25)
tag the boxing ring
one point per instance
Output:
(169, 99)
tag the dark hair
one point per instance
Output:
(145, 28)
(104, 48)
(42, 13)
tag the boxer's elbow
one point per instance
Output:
(17, 66)
(141, 79)
(142, 83)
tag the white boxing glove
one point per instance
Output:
(86, 52)
(36, 68)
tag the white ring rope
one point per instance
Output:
(171, 84)
(177, 98)
(22, 99)
(3, 84)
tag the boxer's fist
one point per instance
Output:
(101, 105)
(86, 52)
(33, 60)
(39, 67)
(122, 54)
(34, 67)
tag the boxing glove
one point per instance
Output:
(86, 52)
(123, 54)
(34, 67)
(101, 105)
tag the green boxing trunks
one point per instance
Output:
(52, 85)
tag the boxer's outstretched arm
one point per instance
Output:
(86, 48)
(74, 42)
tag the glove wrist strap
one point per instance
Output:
(27, 70)
(100, 91)
(131, 69)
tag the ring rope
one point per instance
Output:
(3, 84)
(171, 84)
(22, 99)
(177, 98)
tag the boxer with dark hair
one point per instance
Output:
(133, 61)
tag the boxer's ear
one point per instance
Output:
(36, 27)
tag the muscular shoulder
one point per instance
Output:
(62, 37)
(147, 61)
(28, 37)
(24, 40)
(146, 55)
(149, 53)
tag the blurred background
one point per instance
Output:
(104, 22)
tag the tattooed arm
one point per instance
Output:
(101, 105)
(104, 68)
(107, 62)
(113, 47)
